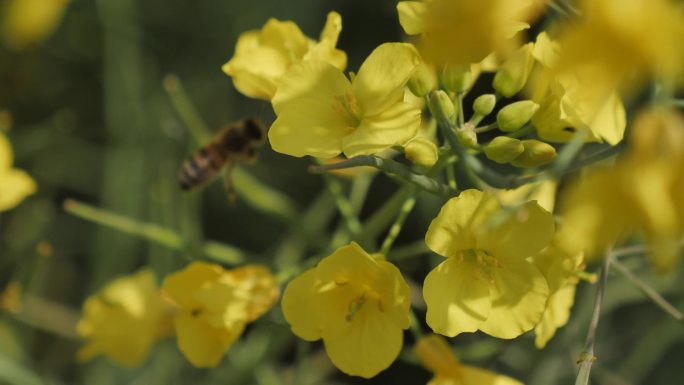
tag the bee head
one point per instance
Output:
(254, 130)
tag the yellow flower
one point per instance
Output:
(623, 42)
(570, 103)
(357, 304)
(436, 354)
(321, 113)
(215, 306)
(487, 282)
(15, 184)
(649, 180)
(124, 319)
(263, 56)
(28, 22)
(460, 32)
(560, 267)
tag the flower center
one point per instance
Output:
(486, 263)
(348, 109)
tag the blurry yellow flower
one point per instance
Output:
(124, 319)
(622, 41)
(642, 193)
(10, 298)
(215, 306)
(543, 192)
(28, 22)
(15, 184)
(571, 103)
(357, 304)
(436, 354)
(321, 113)
(460, 32)
(263, 56)
(487, 282)
(560, 268)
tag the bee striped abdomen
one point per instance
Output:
(201, 168)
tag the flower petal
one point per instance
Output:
(394, 126)
(202, 344)
(369, 346)
(325, 50)
(556, 315)
(15, 186)
(382, 77)
(452, 230)
(6, 154)
(519, 292)
(473, 375)
(457, 297)
(411, 16)
(182, 286)
(301, 313)
(286, 37)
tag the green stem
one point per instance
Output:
(150, 231)
(405, 210)
(411, 250)
(381, 218)
(487, 128)
(343, 206)
(414, 325)
(186, 110)
(390, 167)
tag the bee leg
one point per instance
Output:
(228, 182)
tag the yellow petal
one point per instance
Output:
(28, 22)
(411, 16)
(222, 306)
(15, 186)
(286, 37)
(182, 286)
(369, 347)
(452, 230)
(457, 297)
(435, 353)
(523, 233)
(301, 306)
(256, 70)
(556, 315)
(519, 292)
(473, 375)
(380, 82)
(6, 155)
(325, 50)
(202, 344)
(258, 285)
(394, 126)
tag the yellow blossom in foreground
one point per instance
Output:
(436, 354)
(28, 22)
(215, 305)
(321, 113)
(263, 56)
(464, 31)
(643, 193)
(15, 184)
(124, 319)
(560, 268)
(357, 304)
(622, 41)
(570, 103)
(487, 282)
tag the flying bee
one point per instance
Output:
(237, 141)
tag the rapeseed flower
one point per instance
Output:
(461, 32)
(263, 56)
(648, 179)
(357, 304)
(15, 184)
(124, 320)
(487, 282)
(215, 305)
(322, 113)
(436, 354)
(28, 22)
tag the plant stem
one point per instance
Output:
(186, 110)
(405, 210)
(343, 206)
(487, 128)
(587, 357)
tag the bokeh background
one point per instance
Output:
(95, 109)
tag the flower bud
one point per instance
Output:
(422, 81)
(467, 135)
(441, 106)
(535, 154)
(515, 115)
(484, 104)
(513, 74)
(457, 78)
(503, 149)
(421, 151)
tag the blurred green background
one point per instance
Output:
(92, 121)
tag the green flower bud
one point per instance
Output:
(422, 81)
(421, 151)
(513, 74)
(457, 78)
(467, 136)
(535, 154)
(484, 104)
(441, 106)
(503, 149)
(515, 115)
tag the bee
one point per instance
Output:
(237, 141)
